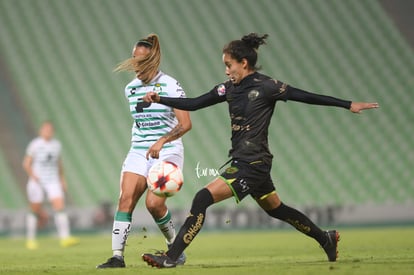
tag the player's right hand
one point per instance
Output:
(151, 97)
(35, 178)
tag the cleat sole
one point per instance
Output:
(150, 262)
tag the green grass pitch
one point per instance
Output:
(361, 251)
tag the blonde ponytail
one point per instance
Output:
(148, 65)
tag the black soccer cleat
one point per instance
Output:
(114, 262)
(159, 261)
(181, 260)
(331, 245)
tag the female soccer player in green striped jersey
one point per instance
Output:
(156, 136)
(43, 164)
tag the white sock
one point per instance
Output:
(166, 225)
(120, 232)
(62, 225)
(31, 226)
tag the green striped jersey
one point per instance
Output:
(152, 120)
(45, 159)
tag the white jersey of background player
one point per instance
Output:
(156, 135)
(43, 165)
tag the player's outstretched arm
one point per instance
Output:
(187, 104)
(358, 107)
(299, 95)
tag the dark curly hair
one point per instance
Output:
(246, 48)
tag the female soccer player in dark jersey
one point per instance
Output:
(251, 97)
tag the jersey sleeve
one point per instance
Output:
(176, 91)
(30, 149)
(299, 95)
(59, 147)
(214, 96)
(277, 90)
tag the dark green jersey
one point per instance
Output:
(251, 106)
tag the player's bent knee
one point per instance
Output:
(202, 200)
(126, 204)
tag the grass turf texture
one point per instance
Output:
(361, 251)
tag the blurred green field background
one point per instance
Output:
(361, 251)
(56, 62)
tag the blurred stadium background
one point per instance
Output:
(56, 61)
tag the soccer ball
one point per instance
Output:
(165, 179)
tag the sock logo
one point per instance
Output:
(301, 227)
(116, 231)
(193, 230)
(171, 225)
(126, 232)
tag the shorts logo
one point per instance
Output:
(232, 170)
(244, 186)
(221, 90)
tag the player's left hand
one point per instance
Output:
(154, 150)
(357, 107)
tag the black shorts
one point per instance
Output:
(249, 179)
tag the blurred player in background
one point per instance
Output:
(252, 98)
(156, 136)
(43, 165)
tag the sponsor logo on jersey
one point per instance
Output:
(221, 90)
(282, 89)
(180, 90)
(252, 95)
(148, 124)
(237, 127)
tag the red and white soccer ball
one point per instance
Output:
(165, 179)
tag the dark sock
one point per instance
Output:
(192, 224)
(299, 221)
